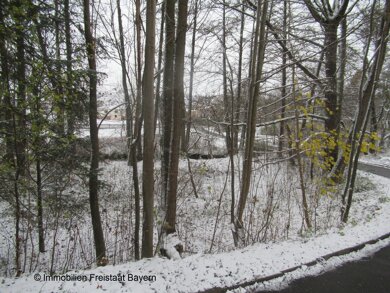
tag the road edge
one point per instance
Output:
(289, 270)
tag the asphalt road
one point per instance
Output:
(368, 275)
(371, 274)
(375, 169)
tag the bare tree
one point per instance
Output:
(100, 245)
(255, 76)
(366, 95)
(159, 64)
(226, 105)
(132, 143)
(167, 96)
(283, 91)
(299, 157)
(148, 113)
(329, 16)
(138, 104)
(177, 112)
(192, 71)
(19, 125)
(69, 71)
(239, 76)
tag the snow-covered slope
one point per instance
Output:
(204, 271)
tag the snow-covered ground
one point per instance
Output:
(108, 129)
(206, 140)
(203, 271)
(315, 270)
(382, 159)
(199, 270)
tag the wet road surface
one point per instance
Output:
(374, 169)
(368, 275)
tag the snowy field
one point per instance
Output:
(204, 140)
(277, 239)
(108, 128)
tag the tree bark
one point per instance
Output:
(59, 102)
(167, 97)
(283, 91)
(343, 64)
(337, 173)
(132, 146)
(100, 246)
(257, 67)
(239, 78)
(5, 89)
(227, 108)
(19, 126)
(37, 148)
(366, 96)
(305, 206)
(138, 106)
(41, 239)
(373, 126)
(170, 226)
(191, 86)
(159, 64)
(332, 125)
(70, 116)
(148, 113)
(329, 18)
(20, 131)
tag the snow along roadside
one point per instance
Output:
(202, 272)
(320, 265)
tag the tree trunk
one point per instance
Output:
(373, 126)
(100, 245)
(129, 132)
(41, 239)
(224, 80)
(305, 207)
(329, 18)
(177, 116)
(257, 67)
(70, 116)
(148, 113)
(21, 140)
(343, 64)
(159, 64)
(167, 97)
(366, 96)
(59, 102)
(37, 148)
(332, 125)
(5, 90)
(191, 87)
(138, 106)
(17, 224)
(19, 127)
(283, 91)
(239, 78)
